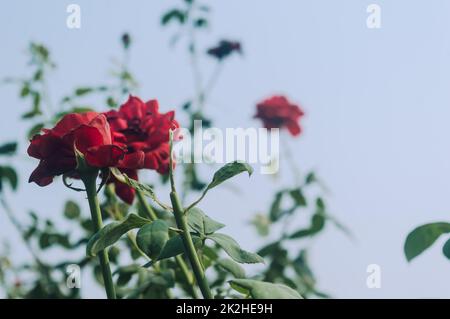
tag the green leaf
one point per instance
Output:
(174, 246)
(275, 208)
(133, 268)
(25, 90)
(9, 174)
(174, 14)
(36, 109)
(232, 267)
(164, 279)
(157, 283)
(31, 114)
(199, 222)
(151, 238)
(83, 91)
(48, 239)
(320, 204)
(208, 256)
(38, 75)
(114, 254)
(232, 248)
(317, 224)
(124, 278)
(228, 171)
(298, 197)
(72, 210)
(310, 178)
(87, 225)
(264, 290)
(446, 249)
(423, 237)
(145, 189)
(44, 241)
(39, 51)
(36, 101)
(111, 102)
(8, 148)
(301, 267)
(111, 233)
(269, 249)
(225, 172)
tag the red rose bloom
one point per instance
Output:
(144, 132)
(88, 132)
(278, 112)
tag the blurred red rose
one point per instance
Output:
(144, 132)
(88, 132)
(125, 192)
(224, 49)
(278, 112)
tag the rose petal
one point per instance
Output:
(42, 146)
(133, 160)
(152, 107)
(151, 161)
(125, 192)
(104, 155)
(133, 108)
(86, 137)
(41, 175)
(293, 128)
(101, 124)
(72, 121)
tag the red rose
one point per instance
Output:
(144, 132)
(88, 132)
(278, 112)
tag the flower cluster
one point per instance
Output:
(132, 138)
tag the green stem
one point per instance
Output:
(179, 260)
(89, 180)
(291, 161)
(146, 206)
(189, 247)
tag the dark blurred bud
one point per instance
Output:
(186, 106)
(17, 283)
(224, 49)
(126, 40)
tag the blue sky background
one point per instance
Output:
(377, 105)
